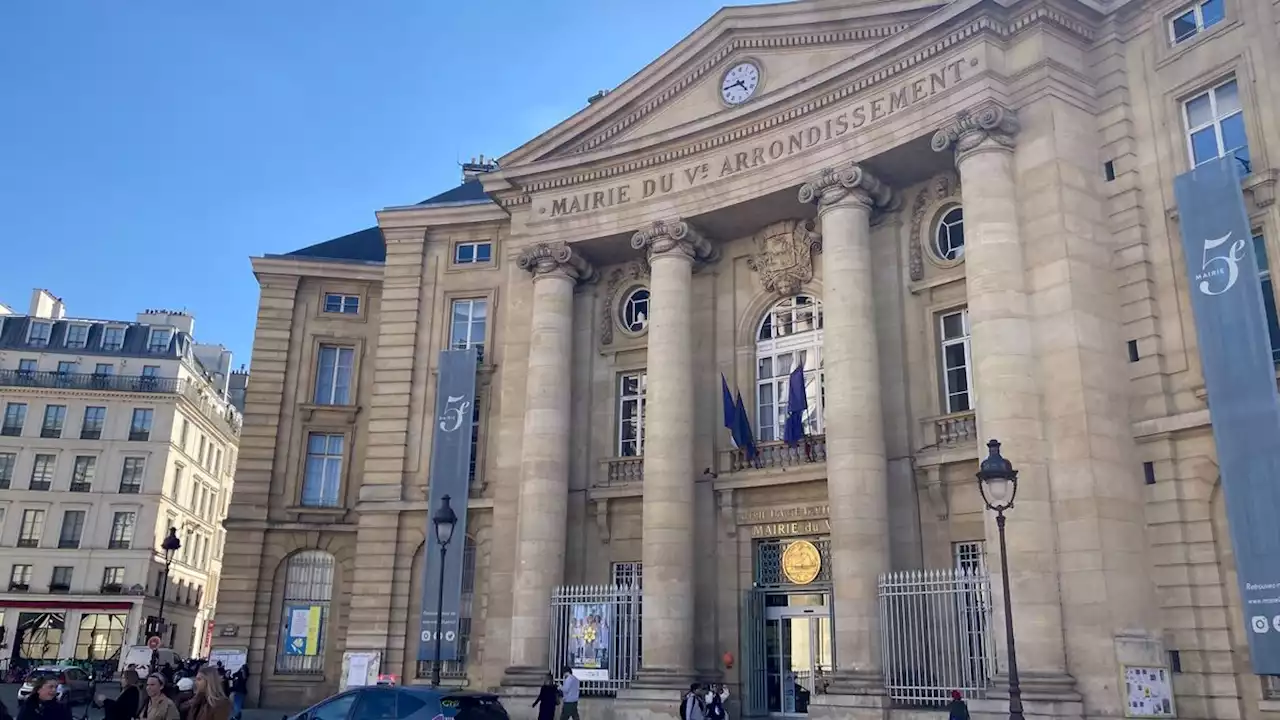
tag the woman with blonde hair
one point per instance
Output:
(158, 706)
(210, 701)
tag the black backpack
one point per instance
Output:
(684, 707)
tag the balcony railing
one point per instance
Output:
(18, 587)
(111, 589)
(949, 431)
(619, 471)
(193, 390)
(776, 454)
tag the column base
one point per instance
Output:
(651, 678)
(863, 705)
(1045, 696)
(649, 703)
(524, 676)
(856, 682)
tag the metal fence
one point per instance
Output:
(597, 625)
(935, 634)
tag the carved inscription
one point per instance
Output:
(851, 118)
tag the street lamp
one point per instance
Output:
(998, 483)
(444, 521)
(170, 545)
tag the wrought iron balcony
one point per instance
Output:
(775, 454)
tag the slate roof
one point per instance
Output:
(368, 245)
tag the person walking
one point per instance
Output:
(957, 709)
(569, 688)
(158, 706)
(239, 690)
(208, 702)
(126, 705)
(43, 703)
(548, 695)
(715, 698)
(693, 706)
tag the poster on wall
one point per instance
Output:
(1148, 692)
(360, 668)
(589, 634)
(302, 630)
(232, 658)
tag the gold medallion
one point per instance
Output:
(801, 562)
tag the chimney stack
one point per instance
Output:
(477, 167)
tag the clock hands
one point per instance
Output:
(739, 83)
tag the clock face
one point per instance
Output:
(740, 83)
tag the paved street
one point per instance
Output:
(9, 694)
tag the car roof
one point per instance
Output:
(445, 692)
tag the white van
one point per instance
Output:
(140, 656)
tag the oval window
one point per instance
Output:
(948, 239)
(634, 312)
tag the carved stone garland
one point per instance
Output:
(620, 279)
(784, 255)
(939, 188)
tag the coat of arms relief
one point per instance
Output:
(784, 255)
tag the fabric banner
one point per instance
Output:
(450, 475)
(1240, 377)
(589, 633)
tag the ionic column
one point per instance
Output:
(544, 466)
(1005, 382)
(668, 542)
(857, 471)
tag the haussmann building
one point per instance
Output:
(957, 219)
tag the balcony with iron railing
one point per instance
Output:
(195, 391)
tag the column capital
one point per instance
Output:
(850, 184)
(679, 237)
(555, 260)
(985, 126)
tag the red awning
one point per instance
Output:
(65, 604)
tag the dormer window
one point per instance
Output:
(342, 304)
(38, 334)
(112, 339)
(159, 340)
(77, 336)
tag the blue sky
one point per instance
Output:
(150, 147)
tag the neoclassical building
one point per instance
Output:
(955, 218)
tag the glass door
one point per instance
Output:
(798, 658)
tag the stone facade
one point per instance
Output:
(1050, 131)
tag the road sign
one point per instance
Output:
(153, 642)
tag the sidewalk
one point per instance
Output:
(9, 695)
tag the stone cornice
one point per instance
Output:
(300, 266)
(850, 183)
(673, 236)
(957, 24)
(555, 260)
(414, 216)
(988, 125)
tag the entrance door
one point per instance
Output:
(798, 659)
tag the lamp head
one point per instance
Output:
(444, 520)
(171, 543)
(997, 480)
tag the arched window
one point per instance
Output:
(790, 334)
(308, 594)
(458, 668)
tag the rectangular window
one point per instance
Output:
(957, 391)
(112, 579)
(20, 578)
(150, 371)
(1268, 295)
(1215, 126)
(104, 369)
(82, 473)
(7, 461)
(158, 341)
(28, 366)
(970, 556)
(472, 253)
(342, 304)
(42, 472)
(72, 529)
(60, 581)
(131, 476)
(66, 367)
(186, 429)
(15, 416)
(94, 419)
(322, 483)
(77, 336)
(627, 574)
(55, 416)
(122, 524)
(631, 391)
(1194, 19)
(38, 334)
(112, 338)
(333, 375)
(467, 324)
(178, 469)
(140, 426)
(32, 528)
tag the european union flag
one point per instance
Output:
(744, 435)
(797, 403)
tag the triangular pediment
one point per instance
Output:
(788, 42)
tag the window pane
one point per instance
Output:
(1184, 26)
(1199, 111)
(1228, 98)
(1204, 146)
(1211, 12)
(466, 253)
(483, 252)
(952, 326)
(1233, 132)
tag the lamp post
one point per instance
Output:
(444, 521)
(998, 483)
(170, 545)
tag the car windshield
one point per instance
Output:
(473, 707)
(37, 674)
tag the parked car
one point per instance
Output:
(405, 702)
(73, 683)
